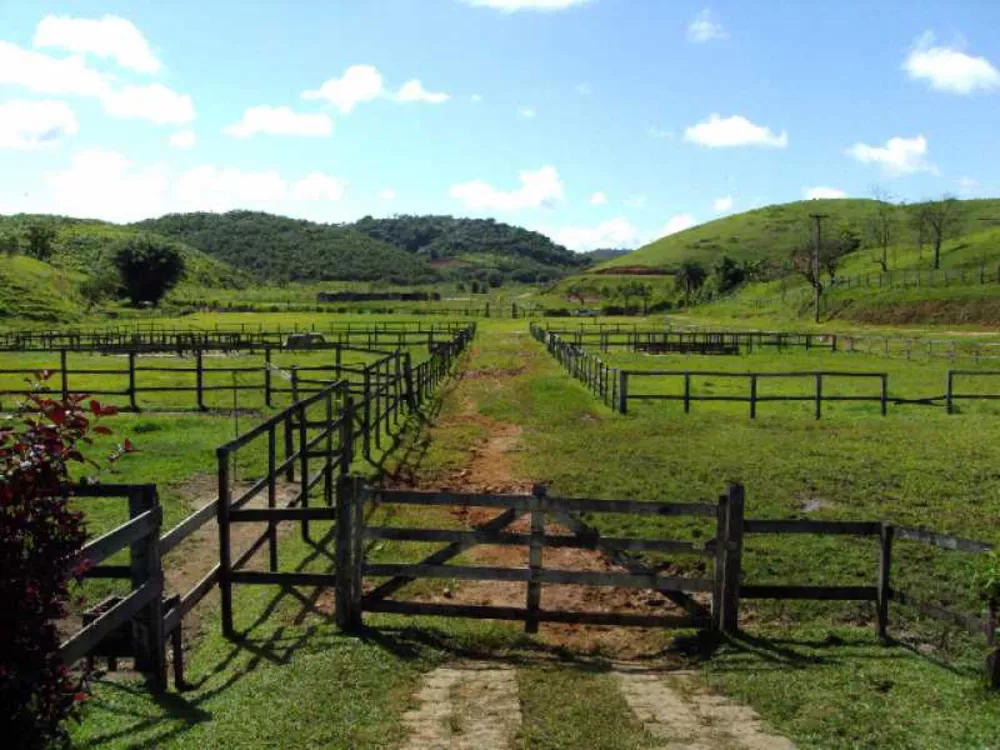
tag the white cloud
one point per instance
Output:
(704, 28)
(721, 205)
(109, 37)
(35, 124)
(279, 121)
(49, 76)
(948, 69)
(104, 184)
(414, 91)
(598, 199)
(182, 139)
(319, 187)
(899, 156)
(617, 232)
(677, 224)
(725, 132)
(387, 194)
(541, 188)
(584, 89)
(360, 83)
(155, 103)
(819, 192)
(526, 112)
(510, 6)
(655, 132)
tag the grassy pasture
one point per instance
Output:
(814, 670)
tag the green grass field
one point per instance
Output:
(813, 670)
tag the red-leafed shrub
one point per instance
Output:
(40, 538)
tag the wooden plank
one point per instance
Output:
(284, 579)
(583, 578)
(536, 539)
(964, 621)
(561, 541)
(517, 614)
(817, 593)
(121, 537)
(314, 513)
(943, 541)
(191, 599)
(548, 504)
(884, 582)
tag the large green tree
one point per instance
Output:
(40, 237)
(147, 269)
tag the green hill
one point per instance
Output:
(474, 247)
(32, 290)
(769, 234)
(277, 249)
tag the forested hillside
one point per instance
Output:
(276, 248)
(469, 247)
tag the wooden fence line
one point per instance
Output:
(614, 386)
(320, 429)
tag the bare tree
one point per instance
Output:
(882, 225)
(942, 217)
(817, 260)
(919, 227)
(577, 292)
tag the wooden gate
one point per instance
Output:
(715, 607)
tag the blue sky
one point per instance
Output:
(599, 122)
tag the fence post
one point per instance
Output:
(687, 392)
(993, 660)
(753, 396)
(225, 561)
(948, 397)
(539, 493)
(719, 587)
(272, 496)
(368, 413)
(357, 553)
(734, 558)
(131, 382)
(345, 567)
(64, 374)
(819, 395)
(200, 379)
(884, 595)
(303, 469)
(289, 448)
(295, 383)
(411, 398)
(147, 627)
(884, 396)
(267, 376)
(623, 392)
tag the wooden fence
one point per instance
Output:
(126, 380)
(614, 385)
(688, 339)
(142, 611)
(363, 585)
(307, 446)
(371, 335)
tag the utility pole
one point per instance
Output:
(817, 240)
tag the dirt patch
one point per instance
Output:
(675, 708)
(490, 471)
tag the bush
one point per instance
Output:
(40, 538)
